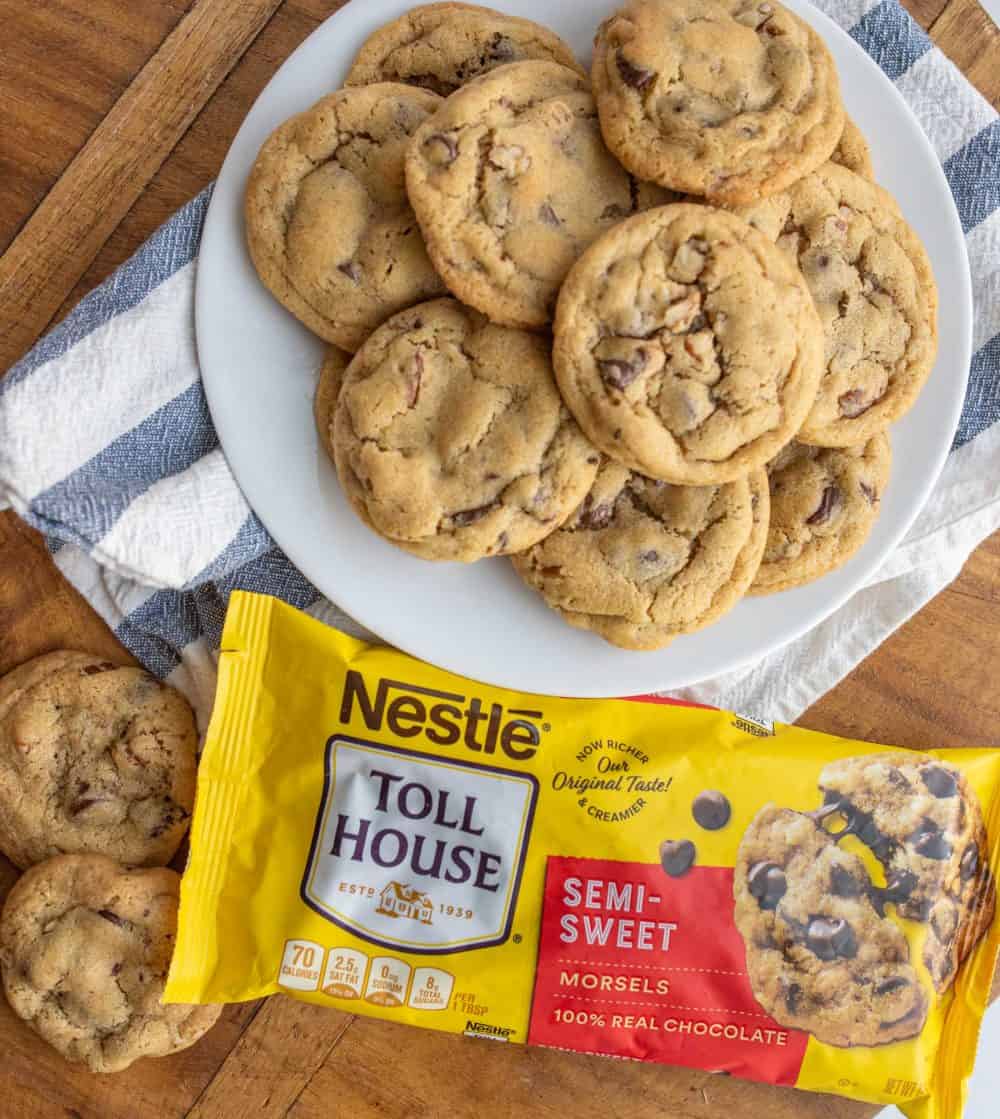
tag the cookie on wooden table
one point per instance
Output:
(94, 757)
(824, 503)
(442, 46)
(642, 562)
(328, 224)
(511, 181)
(85, 946)
(451, 439)
(687, 345)
(730, 100)
(873, 286)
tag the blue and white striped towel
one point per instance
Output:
(134, 496)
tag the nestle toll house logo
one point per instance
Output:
(415, 851)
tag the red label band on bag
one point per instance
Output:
(628, 966)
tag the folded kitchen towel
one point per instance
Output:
(107, 446)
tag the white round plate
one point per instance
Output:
(259, 367)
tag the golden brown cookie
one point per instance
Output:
(641, 562)
(852, 151)
(687, 346)
(731, 100)
(328, 224)
(442, 46)
(874, 289)
(451, 440)
(824, 503)
(85, 946)
(510, 181)
(94, 757)
(331, 376)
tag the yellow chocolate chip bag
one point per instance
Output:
(632, 878)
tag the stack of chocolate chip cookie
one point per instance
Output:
(97, 777)
(643, 333)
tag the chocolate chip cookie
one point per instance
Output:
(852, 151)
(331, 376)
(451, 440)
(820, 955)
(874, 289)
(687, 347)
(925, 826)
(93, 757)
(85, 946)
(731, 100)
(329, 227)
(641, 562)
(511, 181)
(442, 46)
(824, 502)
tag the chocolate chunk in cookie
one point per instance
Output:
(688, 347)
(824, 503)
(641, 562)
(93, 757)
(726, 99)
(924, 824)
(511, 181)
(451, 440)
(442, 46)
(329, 227)
(874, 289)
(85, 946)
(820, 956)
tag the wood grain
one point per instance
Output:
(67, 68)
(64, 233)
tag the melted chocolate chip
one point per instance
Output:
(853, 403)
(501, 49)
(711, 810)
(638, 77)
(929, 841)
(350, 270)
(895, 777)
(618, 373)
(823, 261)
(470, 516)
(969, 866)
(843, 303)
(96, 669)
(793, 993)
(869, 494)
(844, 884)
(649, 557)
(598, 517)
(940, 782)
(112, 917)
(767, 883)
(830, 937)
(677, 856)
(84, 803)
(549, 216)
(828, 505)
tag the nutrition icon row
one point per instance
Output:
(346, 973)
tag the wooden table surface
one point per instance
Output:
(115, 113)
